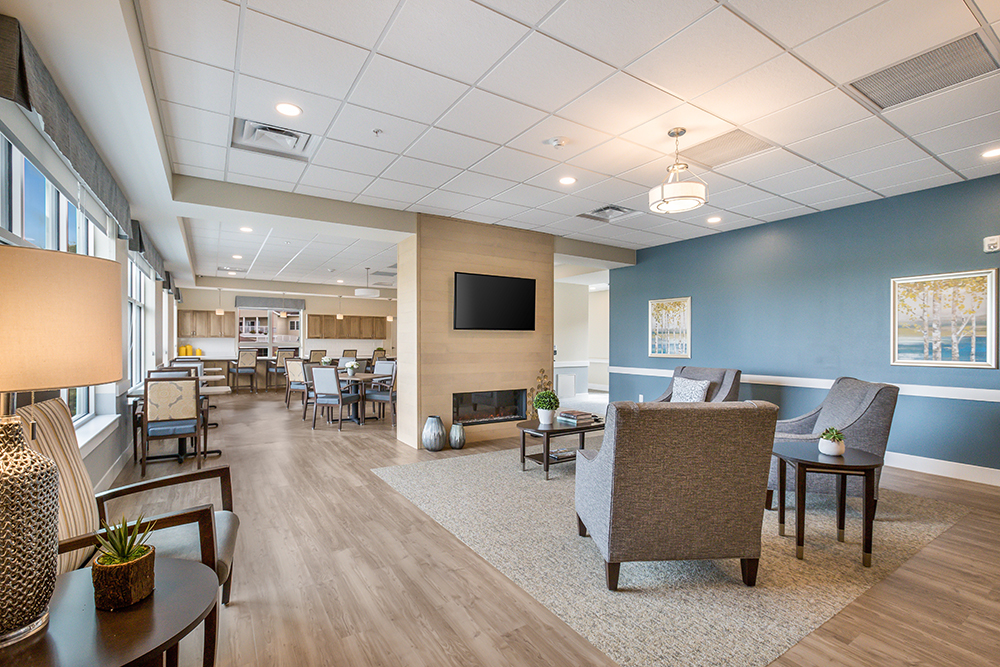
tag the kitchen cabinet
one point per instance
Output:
(352, 327)
(315, 326)
(205, 324)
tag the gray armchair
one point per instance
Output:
(725, 383)
(861, 410)
(677, 481)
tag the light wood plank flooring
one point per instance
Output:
(335, 568)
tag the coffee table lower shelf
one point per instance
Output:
(548, 431)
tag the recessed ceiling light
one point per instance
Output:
(232, 273)
(288, 109)
(245, 229)
(237, 256)
(714, 218)
(340, 281)
(993, 153)
(567, 180)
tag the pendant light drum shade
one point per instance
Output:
(677, 197)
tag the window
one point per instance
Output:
(40, 225)
(6, 185)
(136, 300)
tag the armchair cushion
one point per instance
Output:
(689, 391)
(182, 542)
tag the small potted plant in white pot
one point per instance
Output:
(546, 403)
(326, 361)
(123, 570)
(831, 442)
(352, 367)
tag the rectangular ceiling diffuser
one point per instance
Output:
(945, 66)
(725, 148)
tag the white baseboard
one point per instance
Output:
(599, 387)
(112, 474)
(963, 471)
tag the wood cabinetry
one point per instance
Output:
(185, 323)
(205, 324)
(352, 327)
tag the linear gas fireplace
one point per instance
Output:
(487, 407)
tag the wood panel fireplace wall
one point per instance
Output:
(488, 407)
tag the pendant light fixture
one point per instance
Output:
(219, 310)
(674, 195)
(340, 303)
(282, 313)
(366, 290)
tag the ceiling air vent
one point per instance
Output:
(232, 268)
(730, 146)
(384, 273)
(270, 139)
(610, 213)
(945, 66)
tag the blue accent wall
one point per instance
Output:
(809, 297)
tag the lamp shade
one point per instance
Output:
(60, 320)
(677, 196)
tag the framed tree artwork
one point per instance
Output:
(670, 328)
(947, 319)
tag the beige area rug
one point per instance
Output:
(683, 613)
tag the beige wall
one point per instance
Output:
(570, 322)
(446, 361)
(599, 326)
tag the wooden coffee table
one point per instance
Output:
(548, 431)
(81, 636)
(806, 458)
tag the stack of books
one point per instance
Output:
(575, 418)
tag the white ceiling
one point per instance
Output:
(465, 93)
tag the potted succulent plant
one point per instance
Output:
(546, 403)
(352, 367)
(123, 570)
(831, 442)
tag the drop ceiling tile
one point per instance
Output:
(402, 90)
(550, 179)
(195, 124)
(952, 105)
(450, 200)
(800, 179)
(477, 185)
(520, 224)
(763, 165)
(340, 155)
(357, 125)
(874, 159)
(196, 154)
(846, 140)
(573, 225)
(684, 231)
(765, 207)
(420, 172)
(614, 190)
(890, 33)
(620, 32)
(249, 163)
(455, 150)
(528, 195)
(826, 192)
(727, 219)
(545, 74)
(705, 55)
(577, 139)
(455, 38)
(822, 113)
(537, 216)
(527, 11)
(619, 104)
(744, 194)
(396, 191)
(644, 239)
(432, 210)
(475, 217)
(491, 117)
(334, 179)
(849, 200)
(700, 126)
(645, 222)
(651, 173)
(258, 182)
(904, 173)
(990, 9)
(571, 205)
(786, 213)
(921, 184)
(717, 183)
(615, 156)
(985, 170)
(256, 99)
(198, 172)
(740, 223)
(382, 202)
(192, 83)
(767, 88)
(298, 58)
(497, 209)
(971, 157)
(792, 22)
(513, 164)
(976, 132)
(202, 31)
(360, 23)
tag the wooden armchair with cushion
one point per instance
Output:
(677, 481)
(201, 533)
(724, 383)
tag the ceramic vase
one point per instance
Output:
(546, 416)
(457, 436)
(434, 436)
(351, 372)
(831, 447)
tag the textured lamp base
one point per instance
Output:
(30, 629)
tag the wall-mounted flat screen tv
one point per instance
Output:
(499, 303)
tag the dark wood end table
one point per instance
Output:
(806, 458)
(81, 636)
(553, 430)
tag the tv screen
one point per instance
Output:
(494, 302)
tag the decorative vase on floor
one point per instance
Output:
(546, 416)
(457, 439)
(123, 584)
(29, 525)
(434, 436)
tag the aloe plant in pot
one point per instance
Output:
(831, 442)
(123, 570)
(546, 403)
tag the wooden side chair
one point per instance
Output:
(328, 393)
(317, 355)
(246, 366)
(383, 392)
(378, 354)
(349, 353)
(277, 367)
(173, 409)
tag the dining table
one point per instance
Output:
(359, 379)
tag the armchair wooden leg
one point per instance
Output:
(749, 569)
(582, 529)
(211, 636)
(611, 571)
(769, 500)
(227, 587)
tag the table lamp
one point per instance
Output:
(60, 326)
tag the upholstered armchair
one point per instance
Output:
(724, 383)
(677, 481)
(861, 410)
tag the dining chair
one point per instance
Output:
(277, 367)
(317, 355)
(295, 378)
(349, 353)
(246, 365)
(384, 391)
(378, 354)
(307, 370)
(344, 360)
(173, 409)
(328, 392)
(199, 365)
(137, 404)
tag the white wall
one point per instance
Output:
(571, 334)
(598, 326)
